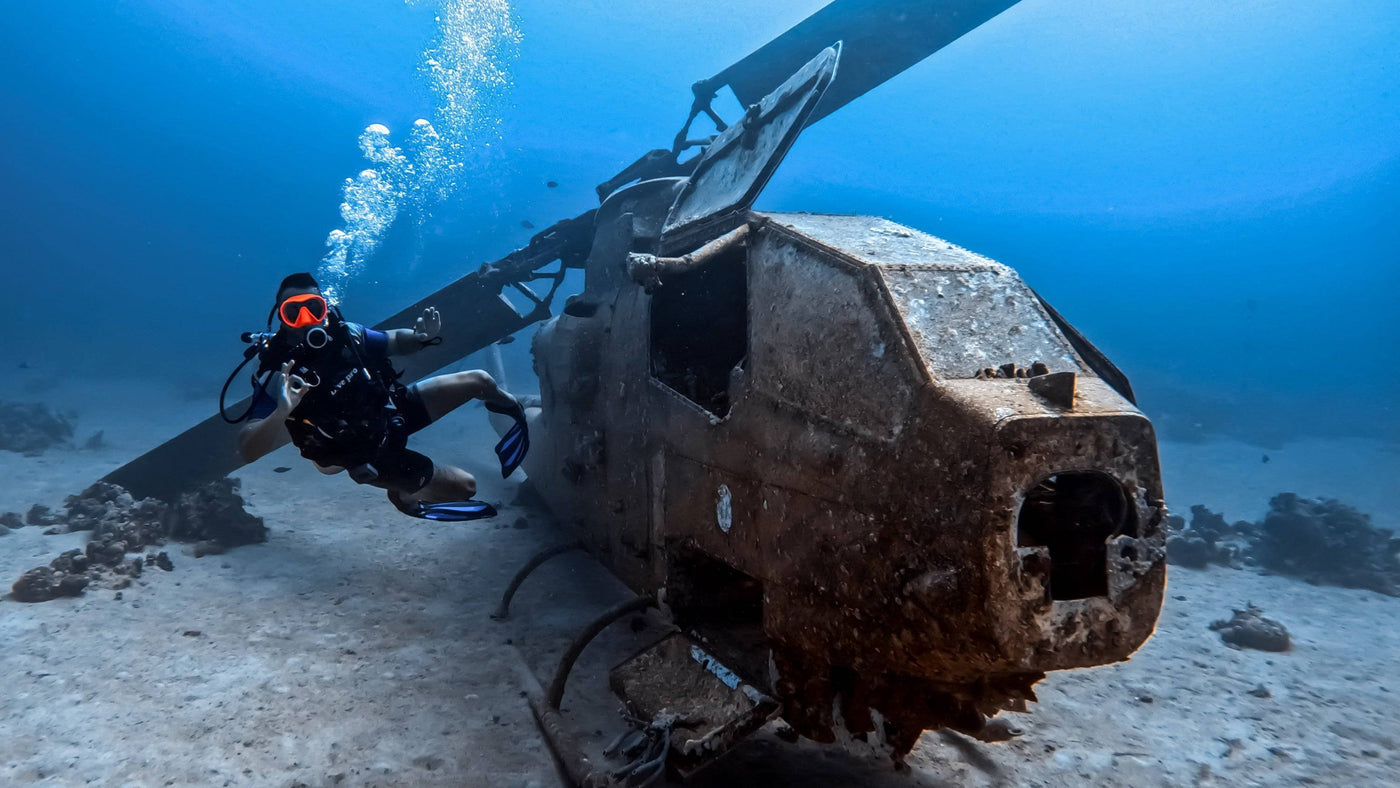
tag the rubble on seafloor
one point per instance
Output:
(1208, 540)
(1249, 629)
(1314, 539)
(31, 427)
(213, 517)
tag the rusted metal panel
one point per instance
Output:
(966, 321)
(847, 368)
(964, 311)
(870, 240)
(712, 707)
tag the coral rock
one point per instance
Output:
(1191, 552)
(30, 427)
(213, 516)
(1249, 629)
(1326, 541)
(215, 513)
(36, 585)
(39, 514)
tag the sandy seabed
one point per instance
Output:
(355, 648)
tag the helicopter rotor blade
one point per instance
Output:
(880, 39)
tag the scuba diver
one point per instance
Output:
(329, 384)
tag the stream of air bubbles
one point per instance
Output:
(466, 71)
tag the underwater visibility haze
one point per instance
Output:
(1208, 191)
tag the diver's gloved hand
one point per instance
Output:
(515, 443)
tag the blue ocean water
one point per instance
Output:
(1207, 190)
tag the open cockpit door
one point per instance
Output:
(737, 165)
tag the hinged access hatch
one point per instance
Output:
(738, 164)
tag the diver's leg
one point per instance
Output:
(442, 394)
(404, 473)
(410, 477)
(448, 484)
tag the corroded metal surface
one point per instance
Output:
(856, 523)
(713, 706)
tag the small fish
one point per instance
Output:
(527, 224)
(551, 184)
(1266, 458)
(507, 340)
(281, 469)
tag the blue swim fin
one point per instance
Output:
(515, 444)
(456, 511)
(448, 511)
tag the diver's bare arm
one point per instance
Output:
(402, 342)
(261, 436)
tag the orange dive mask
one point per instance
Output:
(300, 311)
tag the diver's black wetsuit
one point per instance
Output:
(356, 414)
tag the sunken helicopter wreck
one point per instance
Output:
(875, 481)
